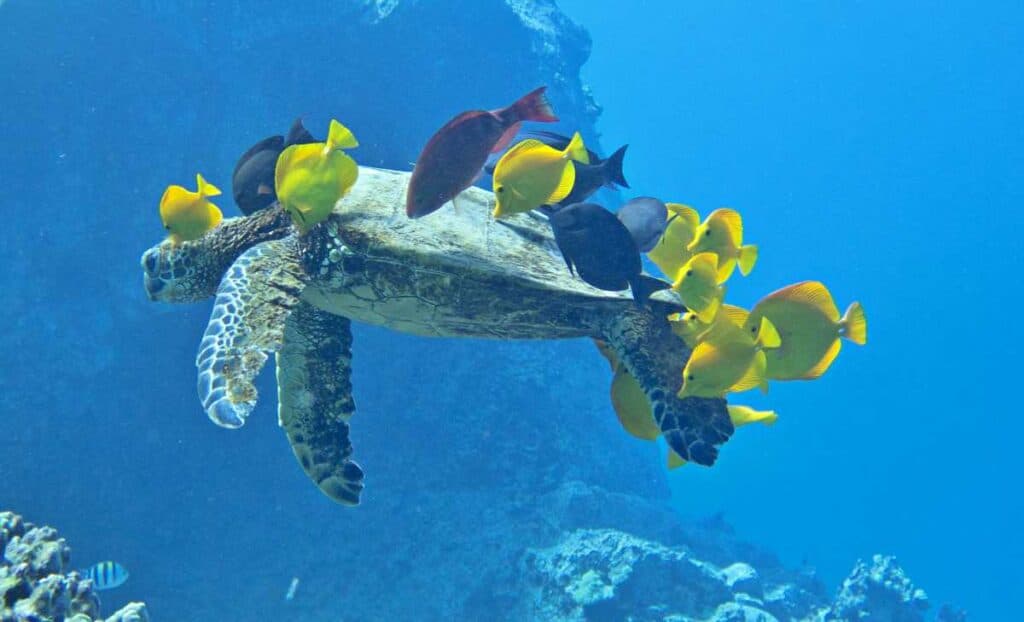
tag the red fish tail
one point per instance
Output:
(534, 106)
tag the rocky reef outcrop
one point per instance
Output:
(37, 584)
(605, 574)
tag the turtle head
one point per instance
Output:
(191, 271)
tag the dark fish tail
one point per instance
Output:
(643, 286)
(534, 106)
(613, 167)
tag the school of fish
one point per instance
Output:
(793, 333)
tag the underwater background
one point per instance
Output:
(874, 146)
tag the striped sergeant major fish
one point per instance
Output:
(106, 575)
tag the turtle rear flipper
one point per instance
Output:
(315, 399)
(255, 297)
(693, 427)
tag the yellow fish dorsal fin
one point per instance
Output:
(736, 315)
(810, 293)
(173, 194)
(753, 377)
(340, 137)
(767, 335)
(522, 147)
(733, 223)
(706, 263)
(854, 325)
(674, 461)
(565, 184)
(284, 165)
(822, 366)
(743, 415)
(205, 188)
(576, 150)
(685, 214)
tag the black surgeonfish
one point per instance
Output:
(646, 219)
(589, 177)
(598, 247)
(252, 183)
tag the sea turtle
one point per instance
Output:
(454, 273)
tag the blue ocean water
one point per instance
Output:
(877, 147)
(873, 146)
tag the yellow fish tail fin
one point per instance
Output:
(565, 184)
(205, 188)
(215, 214)
(743, 415)
(748, 257)
(854, 325)
(576, 150)
(340, 137)
(674, 461)
(768, 336)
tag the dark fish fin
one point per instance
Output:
(489, 168)
(613, 167)
(643, 286)
(267, 144)
(298, 135)
(548, 210)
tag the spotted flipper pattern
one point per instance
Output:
(255, 297)
(694, 426)
(314, 395)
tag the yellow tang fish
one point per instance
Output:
(670, 253)
(532, 174)
(740, 416)
(631, 405)
(698, 286)
(311, 178)
(722, 233)
(692, 331)
(188, 215)
(810, 326)
(735, 362)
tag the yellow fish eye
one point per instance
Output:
(689, 273)
(500, 189)
(690, 377)
(707, 233)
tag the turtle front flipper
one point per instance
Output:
(694, 426)
(315, 399)
(255, 297)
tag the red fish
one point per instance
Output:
(455, 155)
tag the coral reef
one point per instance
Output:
(605, 574)
(36, 583)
